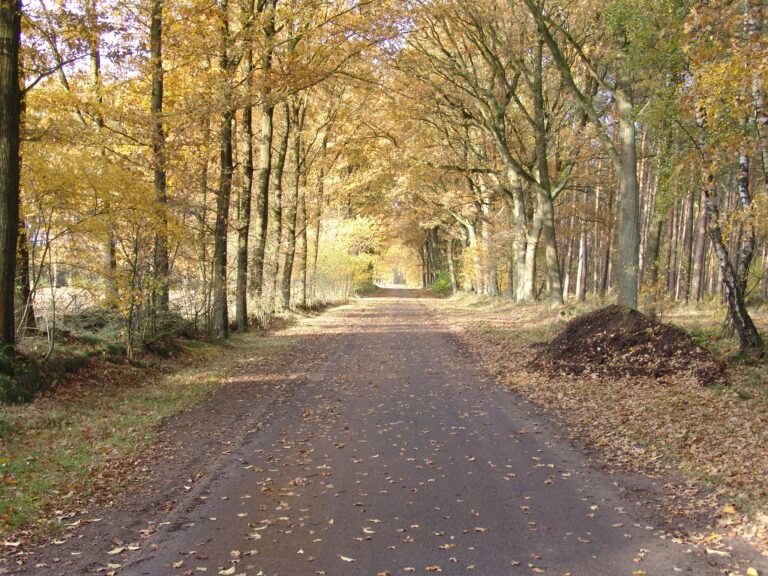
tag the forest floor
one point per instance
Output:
(109, 476)
(708, 443)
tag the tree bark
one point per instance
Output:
(10, 161)
(753, 25)
(519, 234)
(686, 264)
(296, 121)
(224, 191)
(581, 270)
(318, 216)
(302, 244)
(277, 202)
(629, 220)
(27, 316)
(697, 286)
(451, 265)
(265, 155)
(490, 276)
(544, 189)
(162, 264)
(746, 250)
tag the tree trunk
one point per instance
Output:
(653, 260)
(319, 199)
(246, 189)
(451, 265)
(490, 279)
(10, 161)
(272, 271)
(519, 233)
(109, 245)
(223, 193)
(476, 259)
(244, 222)
(531, 245)
(686, 264)
(265, 155)
(749, 337)
(27, 315)
(302, 247)
(746, 250)
(162, 264)
(297, 121)
(672, 228)
(699, 254)
(753, 25)
(581, 271)
(629, 211)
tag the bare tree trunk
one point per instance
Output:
(653, 262)
(302, 247)
(224, 191)
(94, 47)
(748, 243)
(684, 275)
(277, 203)
(10, 161)
(672, 228)
(581, 272)
(629, 209)
(451, 265)
(490, 279)
(568, 262)
(519, 235)
(476, 258)
(753, 25)
(162, 263)
(605, 256)
(699, 254)
(545, 205)
(296, 120)
(265, 155)
(246, 189)
(320, 198)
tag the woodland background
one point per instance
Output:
(200, 166)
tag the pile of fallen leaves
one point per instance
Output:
(617, 341)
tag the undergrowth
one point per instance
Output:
(55, 448)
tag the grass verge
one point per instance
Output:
(58, 450)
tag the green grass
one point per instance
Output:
(58, 446)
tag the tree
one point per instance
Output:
(161, 260)
(10, 161)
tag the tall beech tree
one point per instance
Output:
(161, 258)
(10, 161)
(227, 66)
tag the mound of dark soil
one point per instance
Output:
(618, 341)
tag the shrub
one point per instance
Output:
(441, 286)
(19, 378)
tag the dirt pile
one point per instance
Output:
(618, 341)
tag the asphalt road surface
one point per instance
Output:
(399, 455)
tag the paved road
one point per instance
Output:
(400, 456)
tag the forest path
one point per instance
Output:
(399, 455)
